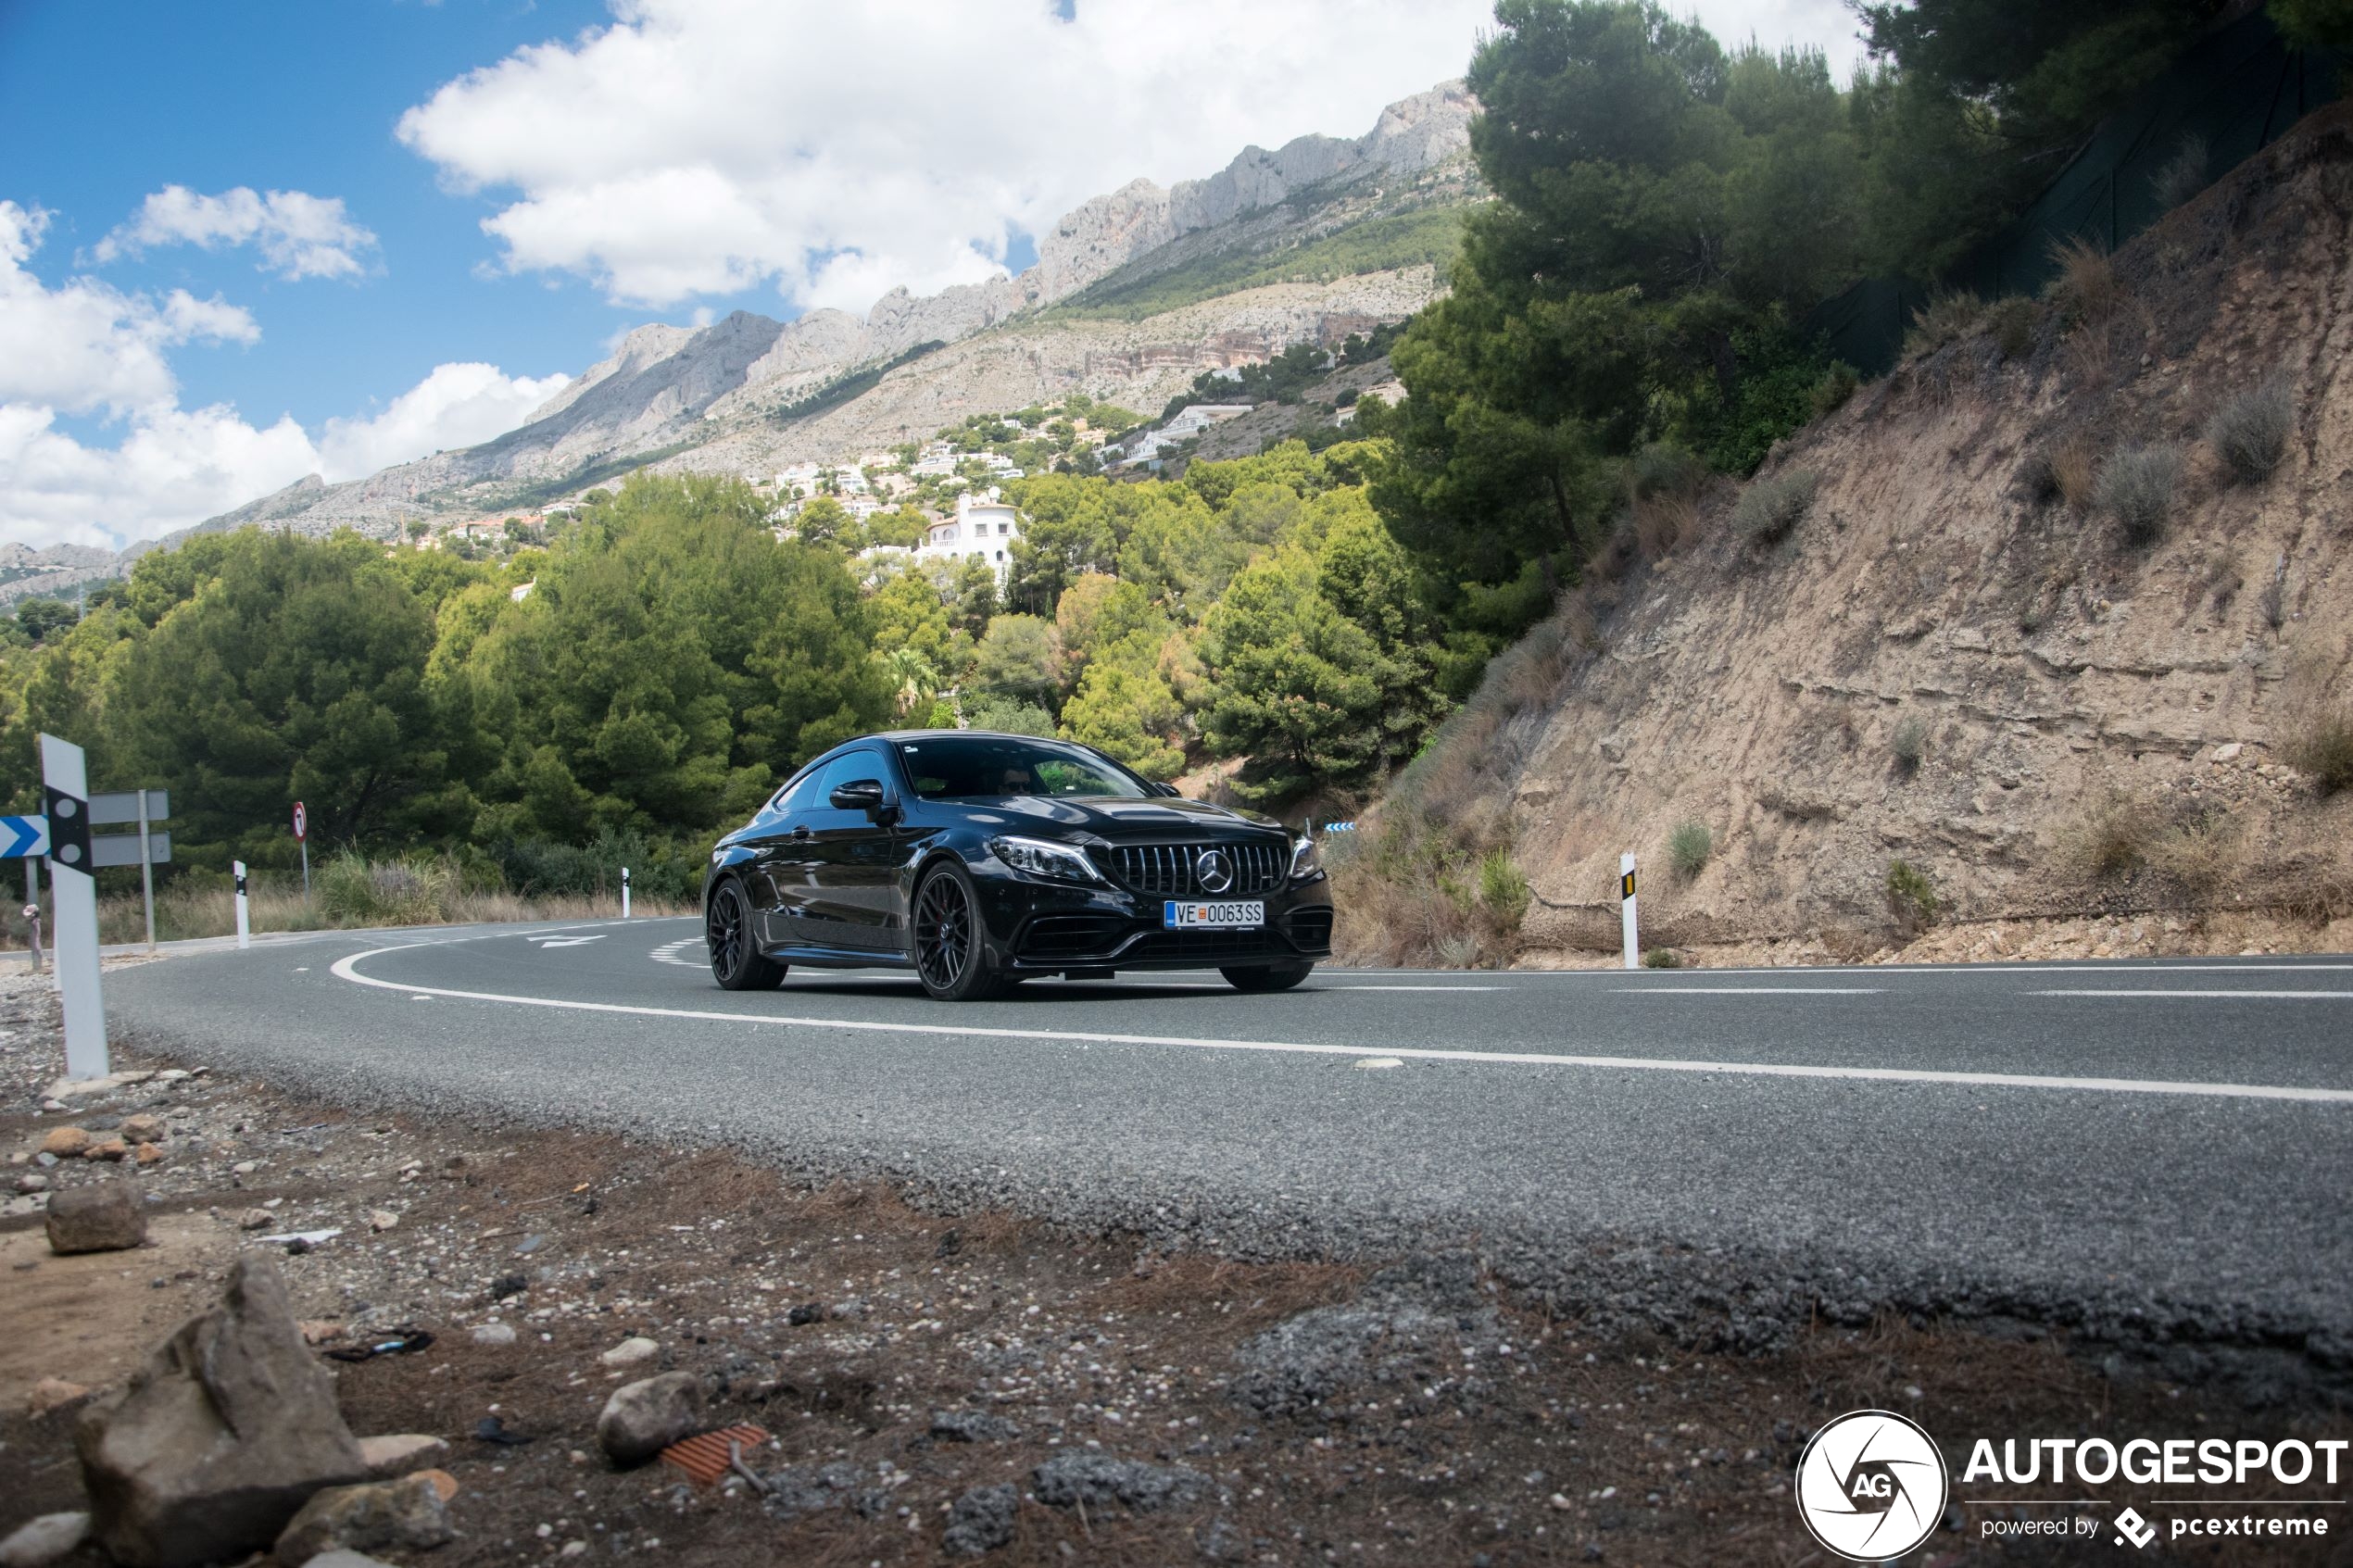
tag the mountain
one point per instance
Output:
(28, 573)
(1133, 294)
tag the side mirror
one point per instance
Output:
(859, 794)
(1169, 790)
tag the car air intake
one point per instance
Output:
(1174, 870)
(1310, 928)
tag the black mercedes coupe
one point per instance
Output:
(979, 861)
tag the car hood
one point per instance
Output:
(1158, 818)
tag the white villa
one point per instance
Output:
(1190, 422)
(983, 526)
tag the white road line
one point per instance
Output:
(1331, 988)
(1749, 990)
(2217, 996)
(1992, 967)
(347, 969)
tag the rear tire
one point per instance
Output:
(736, 961)
(1267, 977)
(951, 960)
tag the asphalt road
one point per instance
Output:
(2165, 1144)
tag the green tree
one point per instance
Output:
(296, 669)
(1021, 658)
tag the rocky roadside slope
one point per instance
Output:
(1956, 660)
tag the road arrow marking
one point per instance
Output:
(565, 941)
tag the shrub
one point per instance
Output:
(1662, 957)
(1770, 509)
(2012, 320)
(2085, 288)
(1458, 950)
(2198, 855)
(2182, 176)
(1909, 744)
(2112, 837)
(2250, 431)
(2136, 487)
(1688, 848)
(1911, 897)
(1502, 888)
(355, 891)
(1838, 384)
(1663, 469)
(1943, 318)
(2322, 747)
(2065, 473)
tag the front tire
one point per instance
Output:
(1272, 977)
(736, 961)
(950, 958)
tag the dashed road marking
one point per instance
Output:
(2211, 996)
(1748, 990)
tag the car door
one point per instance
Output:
(780, 871)
(854, 856)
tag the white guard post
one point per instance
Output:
(74, 891)
(625, 891)
(244, 929)
(1626, 910)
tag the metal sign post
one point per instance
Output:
(74, 890)
(1625, 908)
(245, 932)
(302, 839)
(146, 870)
(625, 891)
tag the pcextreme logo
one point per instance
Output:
(1871, 1485)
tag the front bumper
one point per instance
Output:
(1041, 928)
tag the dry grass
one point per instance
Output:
(2204, 856)
(1943, 318)
(2066, 474)
(184, 912)
(2014, 320)
(2320, 743)
(2086, 290)
(1663, 524)
(1770, 509)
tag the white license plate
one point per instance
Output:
(1242, 915)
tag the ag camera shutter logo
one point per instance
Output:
(1871, 1485)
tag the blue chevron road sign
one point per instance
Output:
(23, 836)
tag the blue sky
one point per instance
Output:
(504, 187)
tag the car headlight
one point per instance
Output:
(1306, 860)
(1040, 856)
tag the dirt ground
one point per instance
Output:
(1397, 1410)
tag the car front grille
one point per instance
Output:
(1173, 870)
(1064, 936)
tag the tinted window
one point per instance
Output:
(815, 792)
(968, 767)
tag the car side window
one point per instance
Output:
(842, 769)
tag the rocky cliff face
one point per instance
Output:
(709, 398)
(1948, 663)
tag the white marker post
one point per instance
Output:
(73, 890)
(148, 869)
(1626, 910)
(244, 929)
(625, 891)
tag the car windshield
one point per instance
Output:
(964, 767)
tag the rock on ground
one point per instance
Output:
(220, 1437)
(630, 1351)
(1085, 1476)
(408, 1515)
(971, 1426)
(43, 1540)
(102, 1217)
(1412, 1319)
(641, 1419)
(53, 1394)
(398, 1453)
(981, 1520)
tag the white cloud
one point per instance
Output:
(87, 345)
(84, 347)
(456, 405)
(706, 146)
(299, 236)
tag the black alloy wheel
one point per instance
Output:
(736, 961)
(1274, 977)
(950, 959)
